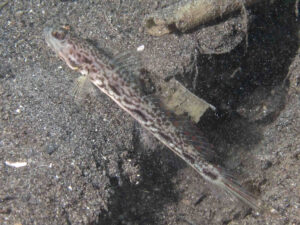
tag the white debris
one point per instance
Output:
(20, 109)
(16, 164)
(140, 48)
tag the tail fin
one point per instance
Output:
(234, 188)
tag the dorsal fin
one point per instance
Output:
(126, 61)
(127, 66)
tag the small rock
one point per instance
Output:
(51, 148)
(266, 164)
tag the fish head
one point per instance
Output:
(64, 44)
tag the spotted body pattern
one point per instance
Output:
(115, 77)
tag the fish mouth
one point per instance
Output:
(47, 35)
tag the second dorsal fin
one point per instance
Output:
(126, 61)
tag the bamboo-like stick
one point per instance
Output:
(187, 14)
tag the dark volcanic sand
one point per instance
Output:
(88, 162)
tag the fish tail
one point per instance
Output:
(226, 182)
(232, 187)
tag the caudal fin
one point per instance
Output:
(235, 189)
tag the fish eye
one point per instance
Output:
(60, 35)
